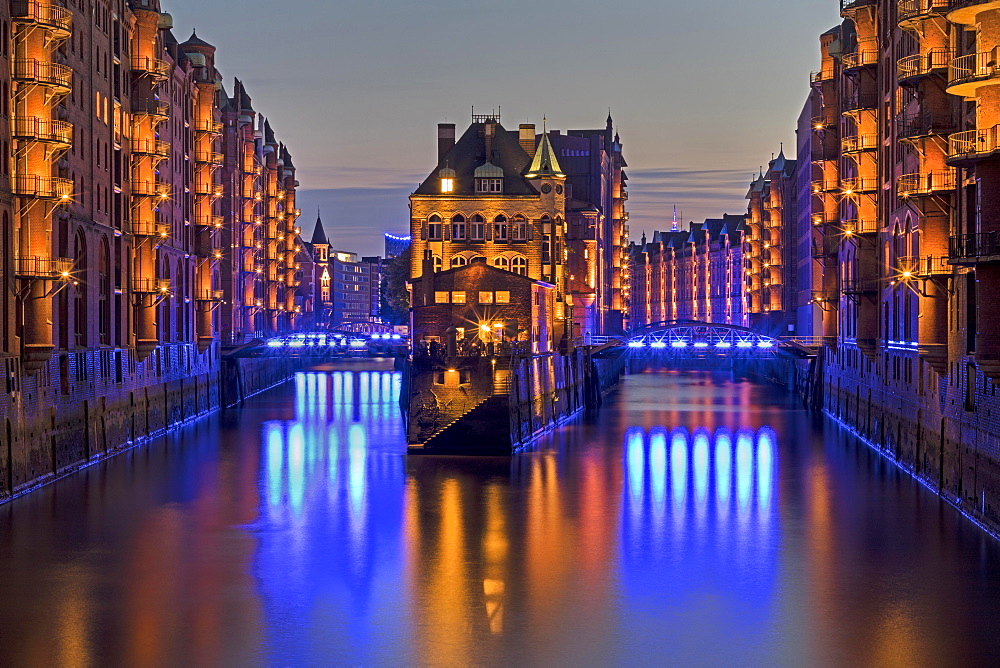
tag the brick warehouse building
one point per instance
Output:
(146, 217)
(506, 196)
(905, 208)
(694, 274)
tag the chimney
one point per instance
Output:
(446, 139)
(489, 129)
(526, 137)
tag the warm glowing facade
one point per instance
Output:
(505, 196)
(117, 229)
(693, 274)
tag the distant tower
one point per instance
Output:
(321, 256)
(674, 227)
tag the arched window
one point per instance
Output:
(519, 265)
(437, 263)
(458, 227)
(459, 261)
(502, 262)
(80, 303)
(104, 293)
(477, 228)
(519, 228)
(500, 230)
(434, 228)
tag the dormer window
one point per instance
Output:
(489, 178)
(447, 176)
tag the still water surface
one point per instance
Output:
(698, 519)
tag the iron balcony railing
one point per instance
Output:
(151, 286)
(211, 222)
(858, 143)
(975, 246)
(209, 157)
(909, 185)
(825, 247)
(42, 187)
(43, 14)
(848, 6)
(924, 124)
(158, 111)
(922, 267)
(208, 190)
(854, 184)
(908, 10)
(824, 219)
(150, 189)
(858, 286)
(44, 130)
(56, 75)
(860, 58)
(859, 226)
(153, 147)
(974, 143)
(210, 295)
(821, 296)
(211, 127)
(144, 228)
(859, 102)
(155, 67)
(34, 266)
(935, 61)
(972, 68)
(825, 185)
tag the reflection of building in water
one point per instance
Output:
(332, 499)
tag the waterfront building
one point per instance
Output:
(505, 196)
(693, 274)
(120, 228)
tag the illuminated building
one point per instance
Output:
(395, 245)
(506, 197)
(694, 274)
(116, 235)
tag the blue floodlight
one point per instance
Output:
(358, 343)
(275, 344)
(744, 344)
(396, 336)
(679, 344)
(658, 344)
(765, 344)
(723, 344)
(636, 344)
(701, 344)
(297, 344)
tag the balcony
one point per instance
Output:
(967, 148)
(859, 226)
(151, 286)
(859, 143)
(856, 185)
(820, 76)
(859, 59)
(44, 268)
(859, 102)
(42, 187)
(151, 147)
(57, 20)
(824, 219)
(209, 158)
(910, 12)
(967, 74)
(210, 127)
(964, 12)
(927, 266)
(848, 7)
(213, 190)
(151, 229)
(911, 69)
(53, 75)
(917, 185)
(824, 297)
(59, 133)
(210, 295)
(975, 248)
(827, 246)
(820, 186)
(926, 124)
(150, 189)
(156, 110)
(153, 67)
(860, 286)
(211, 222)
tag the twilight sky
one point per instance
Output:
(702, 91)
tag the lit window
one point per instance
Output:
(437, 263)
(485, 297)
(441, 297)
(459, 261)
(503, 297)
(502, 263)
(447, 185)
(519, 265)
(458, 297)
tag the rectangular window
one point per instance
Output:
(447, 185)
(434, 231)
(441, 297)
(503, 297)
(458, 231)
(477, 231)
(458, 297)
(485, 297)
(500, 232)
(519, 231)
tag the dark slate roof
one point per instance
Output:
(194, 40)
(319, 234)
(469, 153)
(241, 100)
(269, 133)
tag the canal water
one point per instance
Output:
(697, 519)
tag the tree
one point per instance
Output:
(394, 302)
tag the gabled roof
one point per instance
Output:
(469, 153)
(194, 40)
